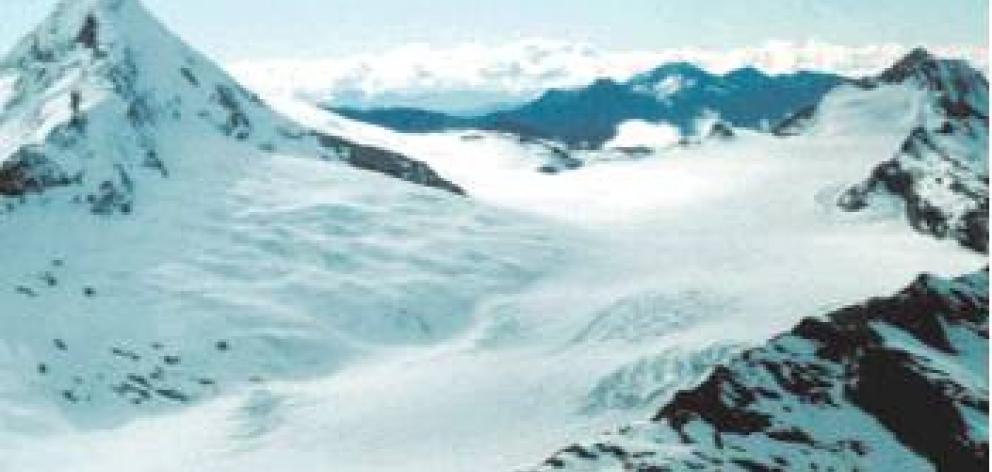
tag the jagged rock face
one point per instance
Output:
(894, 382)
(87, 99)
(941, 169)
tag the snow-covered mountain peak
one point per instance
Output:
(113, 47)
(83, 32)
(963, 91)
(941, 169)
(87, 98)
(112, 126)
(939, 172)
(90, 97)
(913, 60)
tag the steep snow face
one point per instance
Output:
(88, 95)
(894, 383)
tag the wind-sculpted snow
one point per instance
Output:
(897, 382)
(276, 267)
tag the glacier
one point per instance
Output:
(273, 286)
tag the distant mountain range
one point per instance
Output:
(677, 93)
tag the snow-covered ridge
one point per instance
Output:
(895, 382)
(940, 171)
(90, 97)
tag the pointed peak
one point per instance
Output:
(920, 52)
(680, 68)
(746, 72)
(70, 12)
(918, 55)
(95, 5)
(94, 25)
(912, 63)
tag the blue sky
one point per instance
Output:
(248, 29)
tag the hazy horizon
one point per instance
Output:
(237, 30)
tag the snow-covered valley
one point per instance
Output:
(264, 307)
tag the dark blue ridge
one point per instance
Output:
(588, 117)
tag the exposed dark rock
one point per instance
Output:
(88, 35)
(795, 123)
(29, 170)
(720, 401)
(580, 452)
(70, 396)
(125, 354)
(721, 130)
(172, 394)
(237, 123)
(890, 387)
(135, 393)
(793, 435)
(752, 466)
(190, 77)
(386, 162)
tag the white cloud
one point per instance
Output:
(637, 133)
(477, 76)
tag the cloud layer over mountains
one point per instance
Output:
(470, 78)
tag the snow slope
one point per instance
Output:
(261, 309)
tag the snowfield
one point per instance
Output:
(263, 309)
